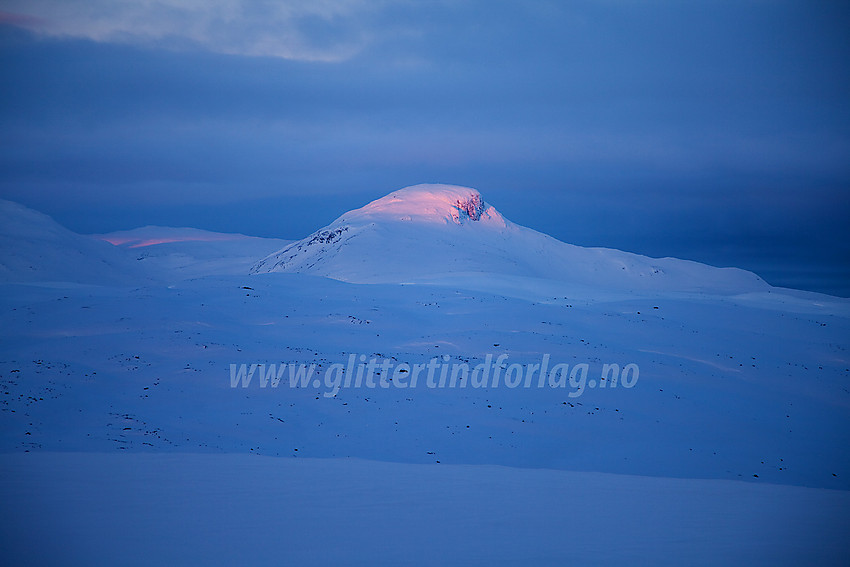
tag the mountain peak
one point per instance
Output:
(432, 203)
(446, 233)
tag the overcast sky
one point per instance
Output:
(716, 131)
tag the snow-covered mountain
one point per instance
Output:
(449, 234)
(34, 247)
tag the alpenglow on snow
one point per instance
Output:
(445, 233)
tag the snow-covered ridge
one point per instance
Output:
(35, 248)
(153, 235)
(177, 253)
(448, 234)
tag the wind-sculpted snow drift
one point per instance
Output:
(449, 234)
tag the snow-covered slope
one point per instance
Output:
(138, 510)
(449, 234)
(34, 247)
